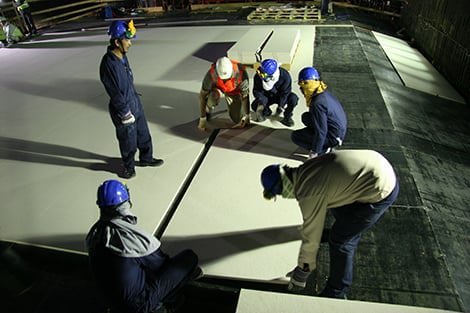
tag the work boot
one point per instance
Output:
(152, 163)
(259, 117)
(128, 173)
(288, 121)
(279, 110)
(196, 274)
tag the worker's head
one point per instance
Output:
(121, 33)
(308, 73)
(309, 81)
(111, 194)
(271, 181)
(224, 68)
(267, 69)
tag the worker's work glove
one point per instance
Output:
(202, 123)
(128, 119)
(298, 279)
(245, 121)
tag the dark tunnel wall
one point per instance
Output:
(440, 30)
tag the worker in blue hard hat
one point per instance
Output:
(128, 264)
(125, 106)
(356, 186)
(325, 120)
(273, 85)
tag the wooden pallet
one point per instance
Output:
(292, 14)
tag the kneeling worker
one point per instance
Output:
(226, 79)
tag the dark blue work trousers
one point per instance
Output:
(172, 277)
(267, 101)
(132, 137)
(304, 137)
(351, 221)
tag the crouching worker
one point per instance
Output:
(273, 84)
(325, 120)
(226, 79)
(357, 186)
(132, 272)
(11, 33)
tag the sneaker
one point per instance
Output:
(289, 122)
(128, 173)
(153, 163)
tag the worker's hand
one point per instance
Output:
(245, 121)
(128, 119)
(298, 279)
(202, 124)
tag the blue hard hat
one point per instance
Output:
(271, 181)
(122, 29)
(268, 66)
(309, 73)
(112, 193)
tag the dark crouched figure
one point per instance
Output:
(133, 274)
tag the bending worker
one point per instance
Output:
(226, 79)
(132, 272)
(273, 84)
(125, 107)
(325, 120)
(357, 186)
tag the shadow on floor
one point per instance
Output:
(46, 153)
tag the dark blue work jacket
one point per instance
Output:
(279, 93)
(328, 120)
(116, 76)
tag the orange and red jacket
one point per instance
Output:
(230, 86)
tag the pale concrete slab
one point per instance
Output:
(220, 208)
(224, 218)
(415, 70)
(57, 143)
(269, 302)
(282, 46)
(244, 51)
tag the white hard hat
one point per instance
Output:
(224, 68)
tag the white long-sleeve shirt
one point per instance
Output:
(335, 180)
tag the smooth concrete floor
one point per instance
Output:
(57, 145)
(57, 140)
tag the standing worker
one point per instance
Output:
(23, 9)
(226, 79)
(132, 272)
(325, 120)
(357, 186)
(125, 107)
(273, 84)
